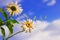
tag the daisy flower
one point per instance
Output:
(27, 25)
(14, 8)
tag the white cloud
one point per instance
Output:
(54, 26)
(4, 2)
(53, 2)
(50, 3)
(43, 31)
(41, 24)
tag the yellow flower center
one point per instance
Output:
(13, 8)
(29, 25)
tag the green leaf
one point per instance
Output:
(1, 22)
(10, 27)
(3, 13)
(10, 24)
(3, 31)
(13, 21)
(0, 19)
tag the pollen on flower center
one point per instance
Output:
(28, 25)
(13, 8)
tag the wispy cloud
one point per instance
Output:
(50, 3)
(53, 2)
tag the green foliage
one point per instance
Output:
(0, 19)
(8, 22)
(4, 13)
(3, 31)
(1, 22)
(10, 27)
(13, 21)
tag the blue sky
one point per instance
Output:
(46, 28)
(40, 8)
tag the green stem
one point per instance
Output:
(13, 35)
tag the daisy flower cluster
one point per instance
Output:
(14, 8)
